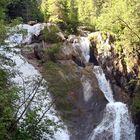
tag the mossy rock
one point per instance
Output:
(61, 82)
(53, 51)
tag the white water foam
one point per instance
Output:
(27, 77)
(116, 123)
(87, 89)
(84, 45)
(103, 83)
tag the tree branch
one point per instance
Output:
(129, 27)
(35, 92)
(49, 107)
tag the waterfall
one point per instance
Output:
(84, 45)
(87, 89)
(116, 123)
(103, 83)
(27, 78)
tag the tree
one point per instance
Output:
(86, 11)
(3, 4)
(69, 15)
(29, 10)
(19, 117)
(8, 96)
(51, 10)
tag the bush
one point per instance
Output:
(53, 51)
(50, 35)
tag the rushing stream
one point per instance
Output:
(116, 123)
(30, 81)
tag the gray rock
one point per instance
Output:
(38, 51)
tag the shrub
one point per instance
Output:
(50, 35)
(52, 51)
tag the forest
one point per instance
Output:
(119, 18)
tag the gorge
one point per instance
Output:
(69, 70)
(116, 123)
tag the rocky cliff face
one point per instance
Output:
(74, 86)
(121, 66)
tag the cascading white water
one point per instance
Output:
(84, 45)
(27, 78)
(87, 89)
(103, 83)
(116, 123)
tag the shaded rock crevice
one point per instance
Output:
(116, 64)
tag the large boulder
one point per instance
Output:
(72, 50)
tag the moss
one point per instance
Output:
(61, 82)
(52, 51)
(55, 48)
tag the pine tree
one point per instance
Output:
(86, 11)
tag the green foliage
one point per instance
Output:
(121, 18)
(69, 15)
(29, 10)
(50, 34)
(53, 51)
(8, 97)
(50, 10)
(30, 128)
(44, 9)
(31, 125)
(86, 12)
(136, 104)
(3, 32)
(61, 11)
(61, 82)
(3, 4)
(54, 48)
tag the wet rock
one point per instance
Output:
(87, 100)
(118, 67)
(92, 57)
(91, 103)
(120, 95)
(32, 22)
(68, 51)
(37, 39)
(38, 51)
